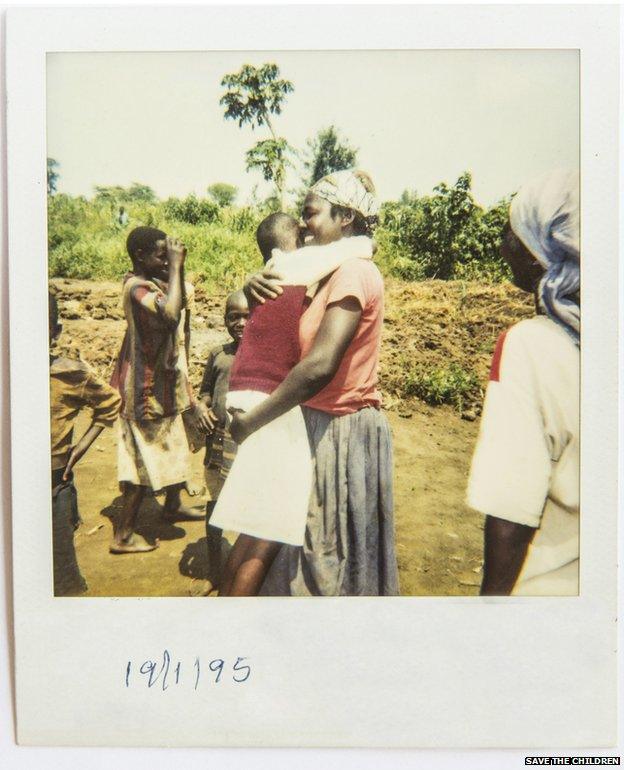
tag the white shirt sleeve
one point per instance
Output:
(310, 264)
(511, 466)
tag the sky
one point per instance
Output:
(417, 118)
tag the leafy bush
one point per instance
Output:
(222, 193)
(445, 235)
(191, 209)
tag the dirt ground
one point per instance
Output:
(439, 540)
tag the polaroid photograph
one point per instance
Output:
(309, 432)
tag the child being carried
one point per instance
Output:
(266, 495)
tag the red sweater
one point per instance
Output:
(269, 348)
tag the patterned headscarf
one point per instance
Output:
(345, 188)
(545, 216)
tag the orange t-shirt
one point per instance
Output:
(354, 385)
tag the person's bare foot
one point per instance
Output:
(182, 513)
(132, 544)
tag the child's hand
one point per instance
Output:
(176, 252)
(262, 286)
(206, 419)
(81, 447)
(239, 425)
(74, 457)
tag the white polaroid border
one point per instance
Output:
(374, 672)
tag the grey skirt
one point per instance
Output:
(349, 539)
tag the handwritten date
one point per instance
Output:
(165, 672)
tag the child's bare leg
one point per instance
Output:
(214, 536)
(235, 558)
(125, 539)
(174, 510)
(251, 573)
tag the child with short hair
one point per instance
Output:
(212, 415)
(73, 387)
(265, 497)
(152, 377)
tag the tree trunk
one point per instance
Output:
(267, 120)
(279, 182)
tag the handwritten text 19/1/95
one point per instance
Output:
(165, 672)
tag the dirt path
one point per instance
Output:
(439, 540)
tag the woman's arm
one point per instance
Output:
(311, 374)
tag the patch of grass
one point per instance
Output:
(450, 384)
(85, 242)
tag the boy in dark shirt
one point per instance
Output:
(220, 449)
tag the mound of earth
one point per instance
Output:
(427, 325)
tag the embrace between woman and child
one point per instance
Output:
(298, 452)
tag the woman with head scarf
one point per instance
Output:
(349, 539)
(525, 470)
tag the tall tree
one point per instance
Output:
(327, 152)
(253, 96)
(222, 193)
(52, 175)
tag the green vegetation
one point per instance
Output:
(86, 241)
(222, 193)
(451, 384)
(443, 235)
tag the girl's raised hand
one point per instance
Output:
(262, 286)
(176, 251)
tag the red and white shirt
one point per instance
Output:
(271, 347)
(525, 467)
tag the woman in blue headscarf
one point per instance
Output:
(525, 470)
(545, 223)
